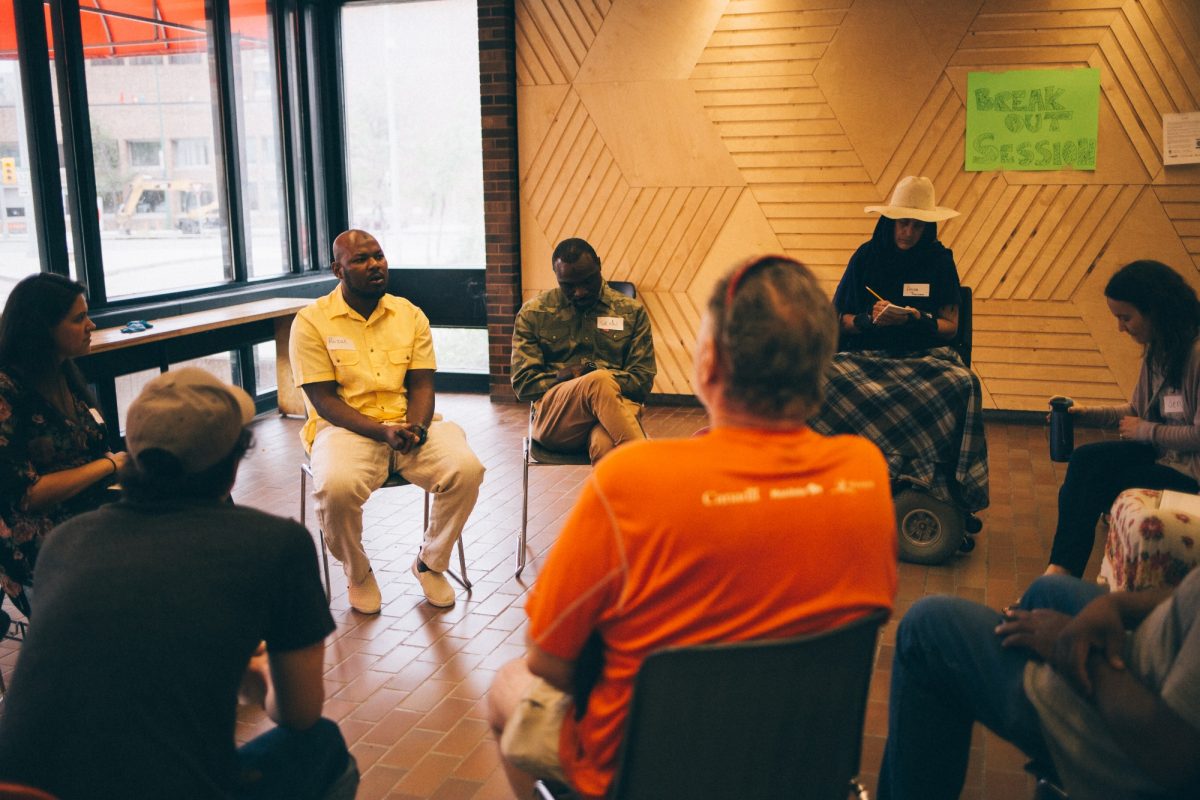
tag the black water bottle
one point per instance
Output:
(1062, 429)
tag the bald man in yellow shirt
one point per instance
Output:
(364, 359)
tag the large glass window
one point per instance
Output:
(461, 350)
(152, 123)
(411, 83)
(18, 245)
(263, 203)
(128, 387)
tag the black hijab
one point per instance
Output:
(885, 268)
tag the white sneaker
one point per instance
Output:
(437, 589)
(365, 597)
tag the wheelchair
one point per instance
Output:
(934, 514)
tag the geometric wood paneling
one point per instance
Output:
(1182, 206)
(797, 93)
(554, 37)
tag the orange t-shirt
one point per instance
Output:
(736, 535)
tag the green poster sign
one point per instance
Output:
(1033, 119)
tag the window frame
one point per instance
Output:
(305, 41)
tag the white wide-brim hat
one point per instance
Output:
(913, 199)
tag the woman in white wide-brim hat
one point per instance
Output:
(900, 291)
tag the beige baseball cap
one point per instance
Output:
(190, 414)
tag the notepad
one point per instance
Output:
(891, 311)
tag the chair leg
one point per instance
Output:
(524, 508)
(325, 561)
(464, 581)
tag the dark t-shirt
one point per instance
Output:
(145, 617)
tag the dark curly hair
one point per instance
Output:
(1169, 303)
(775, 333)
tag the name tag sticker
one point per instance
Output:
(96, 416)
(916, 290)
(610, 323)
(338, 343)
(1172, 404)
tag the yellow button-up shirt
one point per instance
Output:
(368, 358)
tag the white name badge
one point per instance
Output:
(1172, 404)
(96, 416)
(916, 290)
(610, 323)
(338, 343)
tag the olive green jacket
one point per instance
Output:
(550, 334)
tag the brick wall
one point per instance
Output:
(498, 95)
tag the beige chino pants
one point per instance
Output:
(589, 410)
(347, 468)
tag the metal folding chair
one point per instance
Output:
(393, 480)
(536, 455)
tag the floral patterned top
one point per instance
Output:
(36, 439)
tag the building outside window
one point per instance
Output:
(192, 152)
(145, 154)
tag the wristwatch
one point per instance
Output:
(863, 322)
(422, 432)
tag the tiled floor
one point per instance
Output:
(407, 686)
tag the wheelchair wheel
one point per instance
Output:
(930, 530)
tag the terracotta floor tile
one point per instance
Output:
(447, 714)
(463, 738)
(392, 727)
(427, 775)
(411, 748)
(375, 707)
(456, 789)
(366, 754)
(377, 782)
(483, 759)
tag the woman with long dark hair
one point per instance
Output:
(54, 459)
(1159, 427)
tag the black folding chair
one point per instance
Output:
(764, 719)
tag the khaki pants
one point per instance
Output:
(587, 411)
(347, 468)
(530, 738)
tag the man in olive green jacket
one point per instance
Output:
(584, 354)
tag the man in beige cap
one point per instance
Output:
(155, 612)
(365, 361)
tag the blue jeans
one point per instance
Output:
(285, 764)
(949, 672)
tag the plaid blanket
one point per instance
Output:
(924, 412)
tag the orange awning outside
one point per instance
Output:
(113, 28)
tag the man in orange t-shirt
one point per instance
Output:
(759, 529)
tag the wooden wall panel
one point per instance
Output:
(784, 90)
